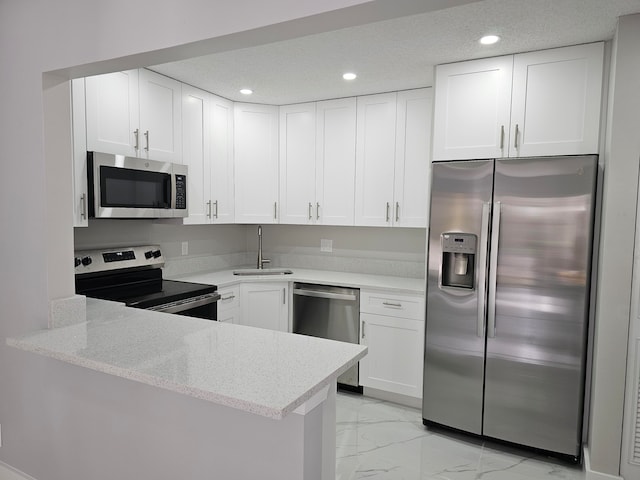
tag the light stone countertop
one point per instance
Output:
(226, 278)
(263, 372)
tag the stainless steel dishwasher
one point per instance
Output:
(329, 312)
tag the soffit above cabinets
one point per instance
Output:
(396, 54)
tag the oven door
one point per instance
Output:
(202, 306)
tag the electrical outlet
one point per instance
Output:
(326, 245)
(185, 248)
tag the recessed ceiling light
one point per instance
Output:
(489, 39)
(246, 91)
(349, 76)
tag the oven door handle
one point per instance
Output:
(187, 304)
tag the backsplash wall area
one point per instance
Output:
(381, 251)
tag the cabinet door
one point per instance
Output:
(79, 129)
(113, 113)
(394, 360)
(160, 117)
(256, 163)
(298, 164)
(229, 305)
(265, 305)
(472, 109)
(335, 161)
(196, 153)
(375, 154)
(222, 160)
(413, 158)
(556, 101)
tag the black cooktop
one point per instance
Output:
(139, 288)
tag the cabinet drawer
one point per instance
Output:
(384, 303)
(230, 298)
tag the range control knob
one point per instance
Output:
(156, 253)
(86, 261)
(76, 262)
(148, 254)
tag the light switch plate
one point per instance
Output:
(326, 245)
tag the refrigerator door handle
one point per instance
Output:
(482, 267)
(493, 267)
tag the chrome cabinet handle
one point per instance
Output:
(230, 297)
(482, 266)
(493, 267)
(310, 208)
(362, 328)
(284, 296)
(275, 210)
(136, 133)
(501, 137)
(146, 135)
(317, 210)
(392, 304)
(387, 216)
(515, 141)
(209, 209)
(83, 206)
(215, 211)
(397, 211)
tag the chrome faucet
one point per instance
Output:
(261, 261)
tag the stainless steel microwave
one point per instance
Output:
(129, 187)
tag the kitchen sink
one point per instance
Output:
(263, 271)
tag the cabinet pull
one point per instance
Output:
(362, 328)
(83, 206)
(392, 304)
(209, 209)
(146, 135)
(230, 297)
(136, 134)
(215, 211)
(397, 211)
(515, 141)
(317, 210)
(275, 210)
(501, 137)
(310, 208)
(387, 216)
(284, 296)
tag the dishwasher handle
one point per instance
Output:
(319, 294)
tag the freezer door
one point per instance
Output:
(534, 378)
(454, 339)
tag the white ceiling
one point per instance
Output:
(396, 54)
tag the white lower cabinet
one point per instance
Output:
(392, 327)
(265, 305)
(229, 304)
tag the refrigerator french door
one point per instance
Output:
(509, 263)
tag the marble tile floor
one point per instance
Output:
(381, 440)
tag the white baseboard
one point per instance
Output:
(593, 475)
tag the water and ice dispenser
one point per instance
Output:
(458, 260)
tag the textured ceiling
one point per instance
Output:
(396, 54)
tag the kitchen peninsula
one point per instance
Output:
(261, 403)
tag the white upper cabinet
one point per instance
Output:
(556, 101)
(196, 124)
(531, 104)
(207, 124)
(298, 164)
(222, 178)
(335, 161)
(160, 117)
(375, 154)
(256, 163)
(472, 109)
(113, 113)
(392, 159)
(413, 155)
(135, 113)
(317, 162)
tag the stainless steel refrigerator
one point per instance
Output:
(509, 263)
